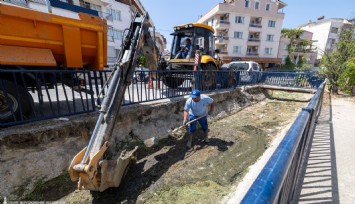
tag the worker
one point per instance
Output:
(185, 50)
(195, 107)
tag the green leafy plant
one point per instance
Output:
(347, 78)
(334, 65)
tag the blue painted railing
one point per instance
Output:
(277, 181)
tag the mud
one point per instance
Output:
(171, 173)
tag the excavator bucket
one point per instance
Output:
(111, 171)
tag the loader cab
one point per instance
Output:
(201, 37)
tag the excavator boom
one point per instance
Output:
(88, 167)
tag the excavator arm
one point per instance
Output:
(88, 167)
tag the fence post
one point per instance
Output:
(197, 69)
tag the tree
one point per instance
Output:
(298, 45)
(347, 78)
(334, 64)
(142, 60)
(288, 64)
(302, 64)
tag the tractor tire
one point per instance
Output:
(172, 82)
(9, 100)
(208, 78)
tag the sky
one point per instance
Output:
(168, 13)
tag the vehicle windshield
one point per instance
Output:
(201, 39)
(179, 42)
(239, 66)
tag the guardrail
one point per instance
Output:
(277, 181)
(32, 95)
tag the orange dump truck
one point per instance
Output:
(50, 45)
(35, 39)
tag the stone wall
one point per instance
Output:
(41, 151)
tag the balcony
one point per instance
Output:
(255, 22)
(222, 40)
(254, 39)
(255, 25)
(222, 24)
(107, 16)
(252, 54)
(23, 3)
(74, 8)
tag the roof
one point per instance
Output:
(200, 25)
(324, 21)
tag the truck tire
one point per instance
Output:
(208, 78)
(8, 99)
(171, 81)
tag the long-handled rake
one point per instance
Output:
(177, 132)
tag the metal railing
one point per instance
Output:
(252, 54)
(31, 95)
(254, 39)
(277, 181)
(18, 2)
(292, 79)
(255, 25)
(53, 93)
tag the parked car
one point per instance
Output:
(249, 66)
(245, 71)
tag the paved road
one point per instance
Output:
(329, 175)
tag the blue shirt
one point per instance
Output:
(198, 108)
(184, 53)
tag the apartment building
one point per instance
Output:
(307, 52)
(326, 33)
(118, 14)
(247, 29)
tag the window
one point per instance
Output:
(255, 67)
(84, 4)
(239, 19)
(117, 35)
(267, 7)
(116, 15)
(285, 47)
(257, 5)
(95, 7)
(268, 50)
(272, 23)
(237, 49)
(270, 38)
(238, 35)
(334, 30)
(247, 3)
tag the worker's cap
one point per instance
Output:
(195, 93)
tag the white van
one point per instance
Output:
(250, 66)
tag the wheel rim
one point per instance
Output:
(4, 106)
